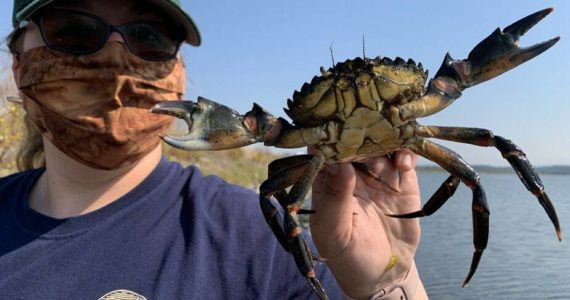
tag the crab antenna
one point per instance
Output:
(363, 48)
(332, 56)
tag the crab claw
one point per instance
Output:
(496, 54)
(211, 126)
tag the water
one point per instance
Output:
(523, 260)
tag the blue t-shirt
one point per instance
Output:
(177, 235)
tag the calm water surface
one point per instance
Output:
(523, 260)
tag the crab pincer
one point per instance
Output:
(496, 54)
(213, 126)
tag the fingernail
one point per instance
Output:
(333, 169)
(406, 160)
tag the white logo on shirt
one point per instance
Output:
(122, 295)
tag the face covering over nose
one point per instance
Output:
(95, 108)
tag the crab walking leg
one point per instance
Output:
(362, 168)
(437, 200)
(282, 173)
(496, 54)
(511, 152)
(457, 167)
(301, 176)
(279, 165)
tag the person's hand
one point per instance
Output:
(351, 229)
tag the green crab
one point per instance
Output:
(362, 108)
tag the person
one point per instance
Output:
(98, 213)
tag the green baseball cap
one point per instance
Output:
(23, 9)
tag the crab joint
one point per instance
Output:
(441, 93)
(262, 124)
(213, 126)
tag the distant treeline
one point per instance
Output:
(548, 170)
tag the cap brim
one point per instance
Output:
(25, 12)
(179, 16)
(182, 18)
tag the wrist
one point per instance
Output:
(403, 289)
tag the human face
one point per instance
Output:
(135, 20)
(95, 107)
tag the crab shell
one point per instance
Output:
(354, 103)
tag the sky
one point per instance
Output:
(261, 51)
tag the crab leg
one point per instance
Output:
(362, 168)
(437, 200)
(293, 167)
(300, 173)
(457, 167)
(496, 54)
(511, 152)
(213, 126)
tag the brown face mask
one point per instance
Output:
(95, 108)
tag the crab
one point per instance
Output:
(366, 107)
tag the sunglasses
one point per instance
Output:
(77, 32)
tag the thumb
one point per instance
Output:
(405, 162)
(335, 182)
(333, 202)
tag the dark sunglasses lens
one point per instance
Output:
(73, 33)
(151, 40)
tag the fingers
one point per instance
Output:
(384, 176)
(405, 160)
(336, 182)
(336, 185)
(332, 199)
(391, 169)
(399, 172)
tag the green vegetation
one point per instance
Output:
(11, 133)
(244, 166)
(11, 124)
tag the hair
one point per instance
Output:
(31, 151)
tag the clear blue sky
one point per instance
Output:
(263, 50)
